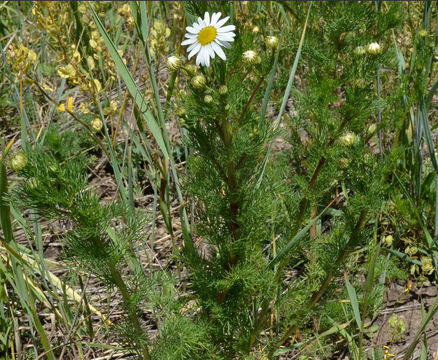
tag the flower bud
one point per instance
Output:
(374, 49)
(180, 111)
(191, 69)
(174, 63)
(198, 81)
(272, 42)
(388, 240)
(343, 163)
(348, 139)
(97, 124)
(223, 89)
(250, 57)
(422, 33)
(411, 250)
(255, 29)
(18, 161)
(372, 128)
(359, 50)
(227, 107)
(208, 99)
(427, 265)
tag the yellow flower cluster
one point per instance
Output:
(51, 16)
(125, 13)
(86, 16)
(158, 40)
(97, 42)
(21, 58)
(112, 109)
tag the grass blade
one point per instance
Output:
(353, 301)
(433, 310)
(286, 95)
(132, 87)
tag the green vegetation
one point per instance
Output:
(256, 201)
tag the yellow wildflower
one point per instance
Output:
(70, 104)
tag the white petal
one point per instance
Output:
(207, 60)
(194, 50)
(223, 43)
(210, 50)
(214, 18)
(191, 36)
(192, 46)
(207, 18)
(200, 56)
(221, 22)
(218, 50)
(224, 38)
(226, 28)
(201, 23)
(188, 41)
(191, 30)
(196, 26)
(203, 55)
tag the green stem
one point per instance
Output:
(127, 299)
(323, 288)
(341, 258)
(305, 200)
(169, 92)
(5, 215)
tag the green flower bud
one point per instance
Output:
(374, 49)
(372, 128)
(223, 89)
(18, 161)
(348, 139)
(249, 57)
(422, 33)
(180, 111)
(191, 69)
(388, 240)
(208, 99)
(359, 50)
(173, 63)
(343, 163)
(272, 42)
(198, 81)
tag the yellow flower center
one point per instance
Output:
(207, 35)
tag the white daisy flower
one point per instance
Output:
(207, 36)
